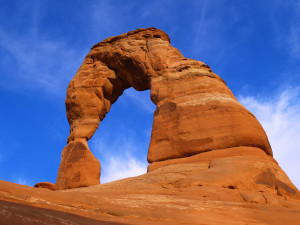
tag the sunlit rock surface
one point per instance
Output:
(210, 159)
(196, 112)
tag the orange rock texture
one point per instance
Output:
(248, 189)
(196, 112)
(210, 159)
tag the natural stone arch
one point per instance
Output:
(196, 112)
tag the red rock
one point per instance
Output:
(79, 167)
(196, 112)
(46, 185)
(210, 159)
(220, 191)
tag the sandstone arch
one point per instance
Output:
(196, 116)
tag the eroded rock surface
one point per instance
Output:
(79, 167)
(245, 189)
(196, 112)
(210, 159)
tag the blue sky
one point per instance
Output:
(253, 45)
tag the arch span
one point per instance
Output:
(196, 112)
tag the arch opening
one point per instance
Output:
(196, 112)
(122, 141)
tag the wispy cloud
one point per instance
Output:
(43, 64)
(23, 181)
(280, 117)
(106, 22)
(211, 40)
(31, 59)
(293, 37)
(286, 29)
(119, 158)
(293, 41)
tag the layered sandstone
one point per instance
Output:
(245, 189)
(210, 159)
(196, 112)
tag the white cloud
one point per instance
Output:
(280, 117)
(121, 157)
(122, 148)
(119, 167)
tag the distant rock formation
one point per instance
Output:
(197, 119)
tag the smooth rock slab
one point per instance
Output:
(189, 193)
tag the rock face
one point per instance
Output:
(210, 159)
(79, 167)
(196, 112)
(226, 190)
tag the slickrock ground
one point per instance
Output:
(210, 159)
(219, 191)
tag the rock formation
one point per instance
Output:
(197, 118)
(196, 112)
(210, 159)
(190, 193)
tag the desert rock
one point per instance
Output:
(196, 112)
(229, 190)
(210, 159)
(79, 167)
(46, 185)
